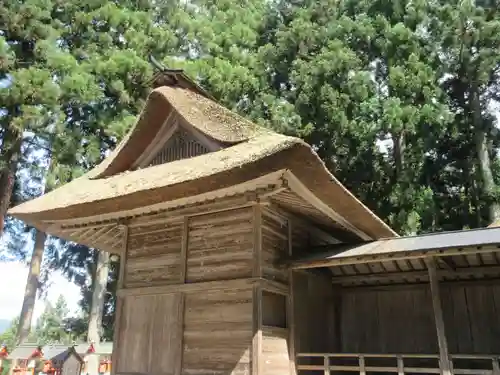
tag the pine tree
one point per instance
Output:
(50, 326)
(469, 35)
(77, 75)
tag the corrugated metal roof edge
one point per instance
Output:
(440, 233)
(340, 251)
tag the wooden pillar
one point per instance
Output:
(257, 331)
(444, 359)
(257, 241)
(184, 250)
(291, 304)
(119, 301)
(257, 291)
(182, 304)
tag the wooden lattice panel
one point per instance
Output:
(181, 145)
(106, 237)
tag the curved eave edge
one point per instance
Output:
(300, 189)
(274, 178)
(277, 179)
(251, 171)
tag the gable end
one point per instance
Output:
(181, 145)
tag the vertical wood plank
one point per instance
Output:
(337, 320)
(290, 314)
(444, 360)
(119, 301)
(257, 291)
(184, 250)
(123, 258)
(459, 313)
(154, 302)
(257, 241)
(257, 330)
(180, 333)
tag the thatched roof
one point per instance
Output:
(203, 114)
(247, 152)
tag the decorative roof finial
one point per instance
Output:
(175, 77)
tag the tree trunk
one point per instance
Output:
(32, 284)
(99, 284)
(33, 281)
(398, 154)
(488, 182)
(10, 159)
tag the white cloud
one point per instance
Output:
(13, 282)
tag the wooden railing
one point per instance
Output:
(401, 364)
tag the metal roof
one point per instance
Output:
(23, 351)
(55, 352)
(52, 351)
(438, 243)
(105, 348)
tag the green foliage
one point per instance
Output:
(73, 78)
(353, 75)
(8, 337)
(77, 263)
(6, 364)
(53, 326)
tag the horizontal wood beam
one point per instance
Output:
(418, 285)
(318, 229)
(341, 234)
(424, 275)
(274, 287)
(315, 261)
(206, 286)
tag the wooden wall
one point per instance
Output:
(274, 245)
(220, 246)
(72, 365)
(218, 333)
(173, 319)
(309, 324)
(400, 319)
(472, 317)
(149, 329)
(154, 254)
(314, 312)
(388, 321)
(204, 293)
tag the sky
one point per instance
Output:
(13, 276)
